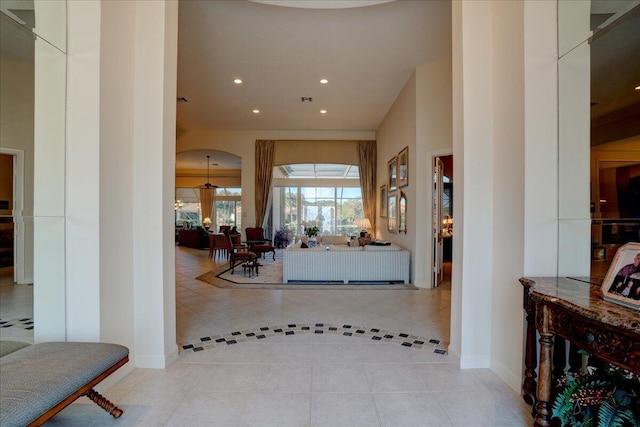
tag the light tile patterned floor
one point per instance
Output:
(305, 379)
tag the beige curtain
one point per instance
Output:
(206, 202)
(367, 157)
(265, 151)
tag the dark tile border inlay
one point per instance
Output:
(372, 334)
(24, 323)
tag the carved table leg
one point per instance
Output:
(543, 407)
(104, 403)
(530, 361)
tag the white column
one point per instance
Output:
(83, 173)
(153, 182)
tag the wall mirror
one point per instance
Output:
(32, 152)
(599, 132)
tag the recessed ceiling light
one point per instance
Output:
(637, 87)
(323, 111)
(237, 81)
(324, 81)
(256, 111)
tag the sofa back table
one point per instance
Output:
(572, 309)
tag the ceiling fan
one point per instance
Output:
(208, 184)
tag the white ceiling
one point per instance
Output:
(281, 53)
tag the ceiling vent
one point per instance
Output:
(306, 99)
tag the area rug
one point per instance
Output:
(270, 277)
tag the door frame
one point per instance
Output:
(433, 154)
(17, 213)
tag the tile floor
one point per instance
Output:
(301, 379)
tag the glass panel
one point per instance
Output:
(228, 212)
(334, 210)
(599, 132)
(319, 170)
(46, 18)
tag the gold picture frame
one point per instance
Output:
(402, 213)
(403, 168)
(392, 168)
(392, 212)
(383, 201)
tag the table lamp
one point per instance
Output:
(364, 225)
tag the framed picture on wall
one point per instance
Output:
(392, 212)
(403, 168)
(383, 201)
(622, 282)
(393, 173)
(402, 213)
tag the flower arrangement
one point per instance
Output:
(602, 397)
(311, 231)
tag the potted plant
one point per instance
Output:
(311, 232)
(607, 396)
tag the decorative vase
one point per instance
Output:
(312, 242)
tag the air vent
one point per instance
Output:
(306, 99)
(182, 99)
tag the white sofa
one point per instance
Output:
(342, 263)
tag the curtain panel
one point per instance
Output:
(367, 157)
(265, 151)
(206, 202)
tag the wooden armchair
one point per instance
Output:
(257, 243)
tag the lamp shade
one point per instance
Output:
(363, 223)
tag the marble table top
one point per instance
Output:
(582, 295)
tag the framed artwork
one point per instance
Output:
(393, 173)
(622, 282)
(402, 213)
(392, 212)
(403, 168)
(383, 201)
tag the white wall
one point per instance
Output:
(434, 137)
(398, 130)
(117, 68)
(83, 169)
(508, 187)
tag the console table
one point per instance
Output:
(573, 309)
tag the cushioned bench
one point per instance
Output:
(38, 381)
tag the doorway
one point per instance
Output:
(442, 218)
(13, 267)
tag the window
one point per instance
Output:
(227, 209)
(324, 195)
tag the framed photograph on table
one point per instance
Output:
(403, 168)
(392, 212)
(622, 282)
(383, 201)
(392, 167)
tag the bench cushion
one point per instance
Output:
(38, 377)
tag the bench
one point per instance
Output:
(38, 381)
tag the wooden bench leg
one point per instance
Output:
(104, 403)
